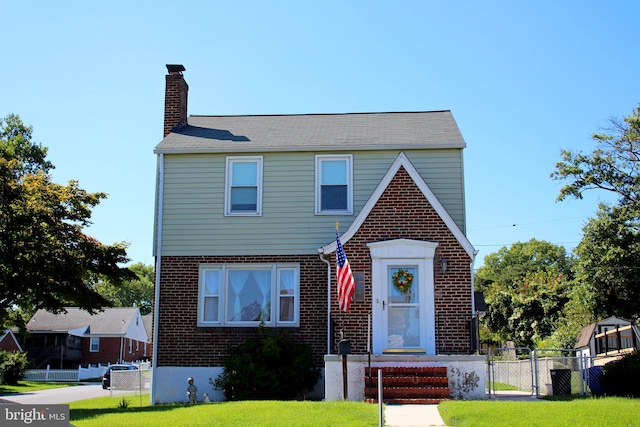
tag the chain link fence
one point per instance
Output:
(539, 372)
(130, 382)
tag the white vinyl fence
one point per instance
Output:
(69, 375)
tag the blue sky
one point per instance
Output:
(524, 79)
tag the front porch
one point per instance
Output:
(465, 373)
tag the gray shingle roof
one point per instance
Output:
(310, 132)
(111, 321)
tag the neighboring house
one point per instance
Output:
(147, 319)
(78, 337)
(607, 338)
(246, 209)
(9, 342)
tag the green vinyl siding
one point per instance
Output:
(194, 188)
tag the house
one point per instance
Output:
(607, 339)
(147, 320)
(245, 232)
(77, 337)
(9, 342)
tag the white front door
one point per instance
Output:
(403, 312)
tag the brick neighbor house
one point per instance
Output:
(77, 337)
(9, 342)
(246, 212)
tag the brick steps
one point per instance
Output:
(408, 385)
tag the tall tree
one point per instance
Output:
(525, 289)
(609, 262)
(609, 253)
(136, 292)
(613, 166)
(46, 260)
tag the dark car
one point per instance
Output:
(106, 377)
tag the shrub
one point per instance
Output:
(268, 366)
(622, 377)
(12, 366)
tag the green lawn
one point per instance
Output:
(558, 412)
(106, 411)
(568, 412)
(27, 386)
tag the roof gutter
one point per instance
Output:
(315, 148)
(156, 305)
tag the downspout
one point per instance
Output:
(473, 302)
(156, 305)
(326, 261)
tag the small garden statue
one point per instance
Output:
(192, 391)
(206, 398)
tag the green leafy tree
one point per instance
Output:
(136, 292)
(525, 289)
(612, 166)
(46, 260)
(608, 267)
(609, 262)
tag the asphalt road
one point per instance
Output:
(56, 395)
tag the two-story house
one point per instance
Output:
(245, 229)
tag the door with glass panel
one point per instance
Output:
(401, 312)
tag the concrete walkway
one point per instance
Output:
(412, 416)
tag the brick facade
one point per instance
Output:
(401, 212)
(109, 351)
(182, 343)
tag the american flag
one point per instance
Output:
(346, 284)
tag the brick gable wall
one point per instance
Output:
(401, 212)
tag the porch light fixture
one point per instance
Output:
(443, 265)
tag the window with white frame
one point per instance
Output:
(334, 189)
(94, 345)
(246, 295)
(130, 346)
(243, 189)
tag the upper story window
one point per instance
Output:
(334, 189)
(246, 295)
(243, 192)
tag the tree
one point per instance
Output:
(46, 260)
(525, 289)
(613, 166)
(136, 292)
(610, 249)
(609, 262)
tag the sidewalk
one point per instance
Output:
(412, 416)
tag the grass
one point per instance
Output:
(566, 412)
(109, 411)
(28, 386)
(502, 386)
(569, 411)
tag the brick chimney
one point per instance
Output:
(175, 99)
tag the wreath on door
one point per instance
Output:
(402, 280)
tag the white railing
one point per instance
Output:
(71, 375)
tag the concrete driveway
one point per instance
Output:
(56, 395)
